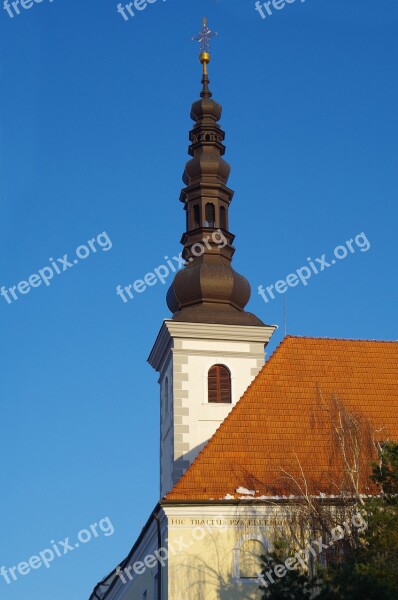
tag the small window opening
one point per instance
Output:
(219, 384)
(210, 215)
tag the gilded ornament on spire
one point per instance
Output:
(204, 38)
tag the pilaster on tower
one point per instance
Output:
(211, 349)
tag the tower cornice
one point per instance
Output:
(172, 330)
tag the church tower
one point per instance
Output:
(211, 349)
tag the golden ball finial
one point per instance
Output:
(204, 57)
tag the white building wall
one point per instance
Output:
(183, 353)
(200, 557)
(205, 545)
(203, 418)
(166, 425)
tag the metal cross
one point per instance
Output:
(205, 36)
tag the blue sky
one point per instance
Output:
(94, 134)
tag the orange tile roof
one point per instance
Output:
(281, 427)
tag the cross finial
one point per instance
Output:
(204, 37)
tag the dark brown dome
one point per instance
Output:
(208, 282)
(206, 108)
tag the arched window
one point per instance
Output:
(196, 216)
(250, 563)
(219, 384)
(223, 217)
(210, 215)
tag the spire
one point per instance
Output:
(204, 37)
(208, 289)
